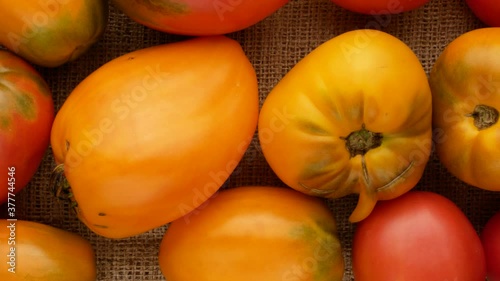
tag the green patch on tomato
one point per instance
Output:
(25, 105)
(325, 247)
(166, 7)
(4, 122)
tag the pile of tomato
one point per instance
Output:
(327, 130)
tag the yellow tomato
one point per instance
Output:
(465, 82)
(354, 116)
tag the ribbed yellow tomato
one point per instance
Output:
(354, 116)
(465, 82)
(150, 135)
(254, 233)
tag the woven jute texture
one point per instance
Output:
(274, 46)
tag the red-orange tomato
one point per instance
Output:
(198, 17)
(418, 236)
(254, 233)
(26, 115)
(377, 7)
(488, 11)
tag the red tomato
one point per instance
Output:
(417, 236)
(198, 17)
(379, 7)
(488, 11)
(26, 116)
(490, 238)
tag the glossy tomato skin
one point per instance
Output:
(466, 101)
(198, 17)
(152, 144)
(490, 237)
(418, 236)
(353, 116)
(254, 233)
(44, 253)
(51, 33)
(486, 10)
(26, 116)
(378, 7)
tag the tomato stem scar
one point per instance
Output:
(484, 116)
(361, 141)
(61, 188)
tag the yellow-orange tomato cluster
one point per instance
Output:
(150, 137)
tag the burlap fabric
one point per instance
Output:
(273, 46)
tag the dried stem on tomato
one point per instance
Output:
(61, 188)
(484, 116)
(361, 141)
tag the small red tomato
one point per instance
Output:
(26, 116)
(417, 236)
(488, 11)
(490, 238)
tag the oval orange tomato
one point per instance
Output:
(417, 236)
(26, 116)
(35, 251)
(254, 233)
(465, 82)
(353, 116)
(150, 135)
(198, 17)
(51, 33)
(377, 7)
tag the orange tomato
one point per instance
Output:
(26, 116)
(195, 17)
(465, 82)
(353, 116)
(254, 233)
(51, 33)
(148, 145)
(35, 251)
